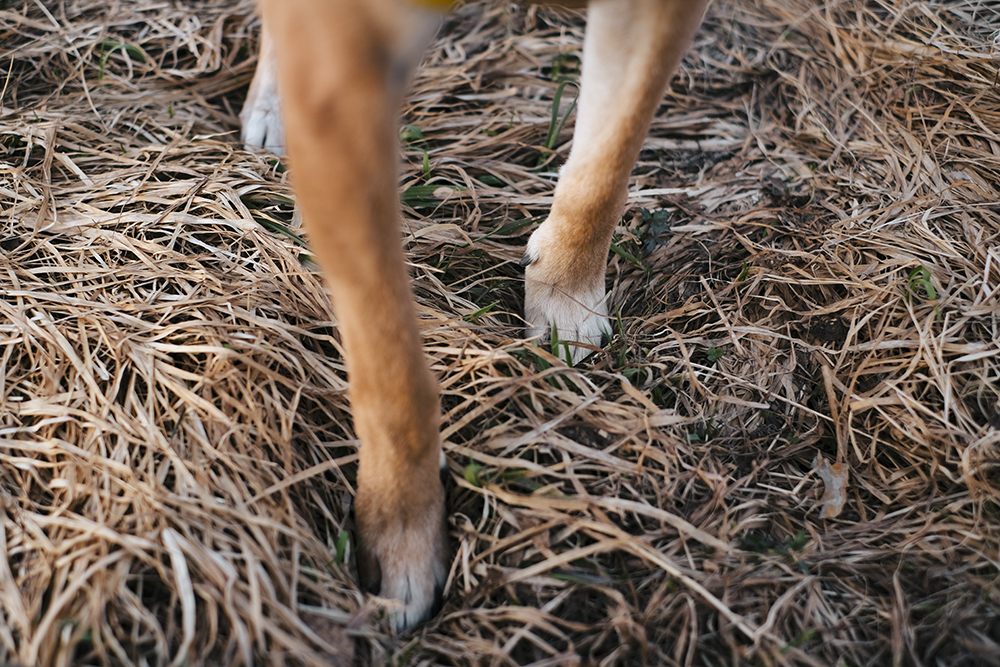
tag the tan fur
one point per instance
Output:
(342, 67)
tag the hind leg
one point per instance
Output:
(631, 49)
(261, 114)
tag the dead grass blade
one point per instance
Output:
(808, 266)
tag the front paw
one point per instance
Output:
(403, 555)
(565, 296)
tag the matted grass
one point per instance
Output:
(808, 267)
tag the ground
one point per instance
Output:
(807, 268)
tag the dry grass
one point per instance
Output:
(818, 274)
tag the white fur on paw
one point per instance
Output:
(261, 115)
(575, 314)
(262, 127)
(575, 318)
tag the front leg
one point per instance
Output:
(631, 49)
(343, 65)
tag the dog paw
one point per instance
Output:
(262, 127)
(565, 296)
(573, 318)
(404, 558)
(261, 114)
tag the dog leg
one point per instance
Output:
(261, 114)
(343, 66)
(630, 52)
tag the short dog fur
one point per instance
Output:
(342, 67)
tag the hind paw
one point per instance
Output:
(261, 114)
